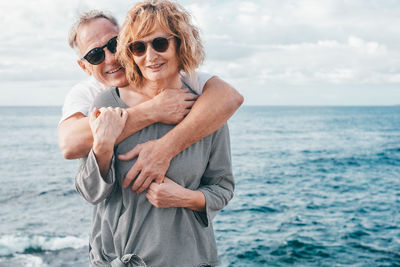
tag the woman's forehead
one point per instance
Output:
(156, 29)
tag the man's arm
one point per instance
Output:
(212, 109)
(75, 137)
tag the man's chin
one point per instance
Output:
(119, 81)
(122, 84)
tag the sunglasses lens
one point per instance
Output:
(112, 45)
(160, 44)
(95, 56)
(138, 48)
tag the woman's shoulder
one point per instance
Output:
(186, 85)
(107, 98)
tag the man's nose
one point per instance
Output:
(110, 57)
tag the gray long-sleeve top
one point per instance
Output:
(126, 225)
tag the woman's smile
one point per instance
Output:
(155, 67)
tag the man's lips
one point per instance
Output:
(114, 70)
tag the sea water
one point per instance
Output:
(315, 186)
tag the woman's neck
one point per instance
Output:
(153, 88)
(133, 96)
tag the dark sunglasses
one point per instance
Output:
(97, 55)
(160, 44)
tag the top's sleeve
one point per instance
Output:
(217, 183)
(196, 82)
(90, 184)
(80, 98)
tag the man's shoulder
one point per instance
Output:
(196, 81)
(89, 84)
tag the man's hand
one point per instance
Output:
(172, 105)
(152, 163)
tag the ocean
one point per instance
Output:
(315, 186)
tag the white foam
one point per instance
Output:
(11, 244)
(23, 260)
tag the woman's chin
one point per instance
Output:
(158, 77)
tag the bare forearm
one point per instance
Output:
(212, 109)
(139, 117)
(170, 194)
(103, 153)
(195, 200)
(75, 137)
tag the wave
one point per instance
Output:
(23, 260)
(12, 244)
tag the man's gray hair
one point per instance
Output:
(83, 19)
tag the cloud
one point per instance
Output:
(309, 51)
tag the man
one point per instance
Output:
(93, 39)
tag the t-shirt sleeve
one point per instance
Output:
(80, 98)
(198, 81)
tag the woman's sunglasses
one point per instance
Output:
(159, 44)
(97, 55)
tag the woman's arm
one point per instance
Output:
(217, 183)
(95, 178)
(170, 194)
(216, 188)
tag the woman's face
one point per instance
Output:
(158, 66)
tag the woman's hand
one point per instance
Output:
(107, 124)
(170, 194)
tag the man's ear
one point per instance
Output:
(84, 67)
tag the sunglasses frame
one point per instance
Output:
(145, 43)
(101, 50)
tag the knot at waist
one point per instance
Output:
(128, 260)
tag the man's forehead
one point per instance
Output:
(95, 33)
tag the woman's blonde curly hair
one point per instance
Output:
(142, 19)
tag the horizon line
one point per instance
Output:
(248, 105)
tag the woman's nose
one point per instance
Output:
(151, 54)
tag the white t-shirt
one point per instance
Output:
(82, 95)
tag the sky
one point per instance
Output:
(274, 52)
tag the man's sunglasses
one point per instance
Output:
(160, 44)
(97, 55)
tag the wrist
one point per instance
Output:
(165, 148)
(172, 142)
(103, 147)
(152, 110)
(194, 200)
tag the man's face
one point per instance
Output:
(97, 33)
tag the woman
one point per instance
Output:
(171, 224)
